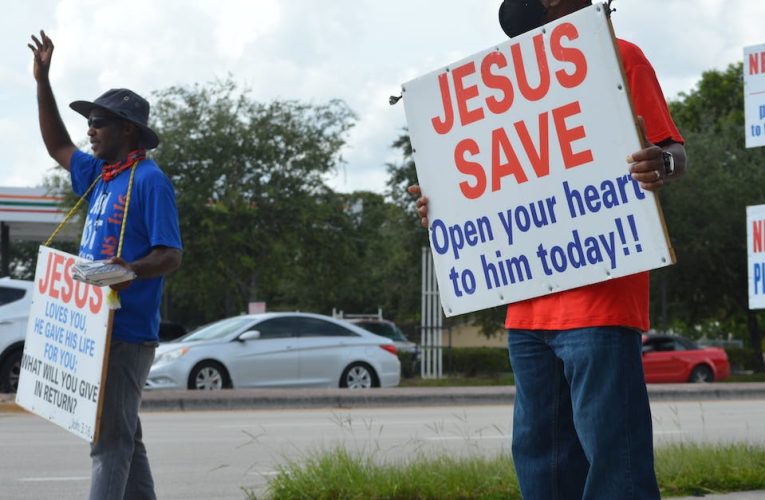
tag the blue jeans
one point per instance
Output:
(120, 465)
(582, 423)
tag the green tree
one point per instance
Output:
(249, 183)
(706, 212)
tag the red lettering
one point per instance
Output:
(55, 275)
(497, 82)
(96, 299)
(757, 63)
(540, 159)
(119, 210)
(464, 94)
(499, 140)
(68, 288)
(470, 168)
(567, 54)
(81, 294)
(443, 126)
(757, 237)
(43, 284)
(566, 136)
(532, 94)
(109, 246)
(754, 63)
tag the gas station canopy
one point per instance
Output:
(30, 214)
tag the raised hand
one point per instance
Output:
(43, 52)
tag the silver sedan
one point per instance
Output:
(276, 350)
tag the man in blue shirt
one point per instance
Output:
(118, 179)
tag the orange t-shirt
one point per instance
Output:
(621, 301)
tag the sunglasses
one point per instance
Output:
(100, 121)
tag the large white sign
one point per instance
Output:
(754, 95)
(62, 366)
(522, 151)
(755, 245)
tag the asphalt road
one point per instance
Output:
(214, 454)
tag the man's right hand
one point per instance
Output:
(54, 134)
(43, 51)
(421, 203)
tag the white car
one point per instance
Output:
(276, 350)
(15, 301)
(388, 329)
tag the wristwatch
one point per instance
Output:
(669, 163)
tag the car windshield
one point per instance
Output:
(388, 330)
(217, 330)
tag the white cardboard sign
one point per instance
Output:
(521, 149)
(754, 95)
(755, 244)
(62, 368)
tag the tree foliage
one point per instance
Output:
(404, 235)
(255, 213)
(259, 223)
(706, 211)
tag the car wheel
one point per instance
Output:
(209, 376)
(359, 376)
(701, 374)
(10, 371)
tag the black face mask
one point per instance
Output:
(519, 16)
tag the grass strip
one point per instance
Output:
(339, 474)
(691, 469)
(682, 470)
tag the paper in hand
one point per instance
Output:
(101, 273)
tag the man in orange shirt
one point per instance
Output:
(582, 422)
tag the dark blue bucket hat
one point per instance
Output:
(127, 105)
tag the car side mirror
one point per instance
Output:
(249, 335)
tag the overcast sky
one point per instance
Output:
(360, 51)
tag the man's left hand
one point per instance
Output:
(647, 165)
(118, 287)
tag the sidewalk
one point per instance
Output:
(240, 399)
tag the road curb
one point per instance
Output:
(253, 399)
(324, 398)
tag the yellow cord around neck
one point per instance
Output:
(112, 299)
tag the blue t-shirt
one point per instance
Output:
(152, 221)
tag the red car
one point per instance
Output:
(673, 359)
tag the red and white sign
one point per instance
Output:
(754, 95)
(522, 151)
(62, 366)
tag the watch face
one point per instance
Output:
(669, 164)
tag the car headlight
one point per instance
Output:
(168, 356)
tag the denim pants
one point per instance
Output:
(120, 465)
(582, 423)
